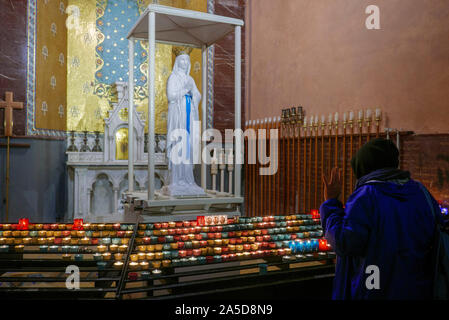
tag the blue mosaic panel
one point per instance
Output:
(114, 23)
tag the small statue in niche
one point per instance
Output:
(183, 100)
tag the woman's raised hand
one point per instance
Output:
(332, 185)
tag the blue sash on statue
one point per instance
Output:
(188, 102)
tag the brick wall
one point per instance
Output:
(427, 159)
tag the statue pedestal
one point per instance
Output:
(180, 208)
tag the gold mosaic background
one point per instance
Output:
(89, 100)
(51, 68)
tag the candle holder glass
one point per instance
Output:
(72, 147)
(85, 147)
(97, 147)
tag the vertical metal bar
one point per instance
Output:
(287, 154)
(245, 150)
(351, 142)
(130, 115)
(336, 141)
(238, 109)
(121, 283)
(344, 160)
(262, 177)
(151, 106)
(204, 82)
(329, 161)
(323, 127)
(316, 163)
(279, 172)
(309, 185)
(254, 170)
(292, 194)
(305, 167)
(298, 164)
(7, 178)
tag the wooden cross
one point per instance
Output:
(9, 105)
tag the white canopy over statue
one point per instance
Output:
(183, 100)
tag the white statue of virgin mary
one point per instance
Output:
(183, 100)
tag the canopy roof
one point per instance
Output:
(184, 27)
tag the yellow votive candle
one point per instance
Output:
(106, 256)
(133, 266)
(144, 265)
(150, 256)
(159, 255)
(166, 263)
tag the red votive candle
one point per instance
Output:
(171, 231)
(94, 241)
(196, 252)
(322, 245)
(178, 231)
(198, 236)
(186, 223)
(157, 226)
(203, 243)
(164, 225)
(57, 241)
(266, 238)
(120, 234)
(185, 231)
(179, 224)
(272, 245)
(180, 244)
(209, 259)
(264, 231)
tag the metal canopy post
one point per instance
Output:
(238, 110)
(151, 114)
(130, 115)
(204, 115)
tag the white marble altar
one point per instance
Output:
(96, 180)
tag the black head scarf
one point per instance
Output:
(374, 155)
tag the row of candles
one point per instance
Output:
(79, 225)
(296, 116)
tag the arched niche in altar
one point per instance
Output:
(102, 195)
(116, 129)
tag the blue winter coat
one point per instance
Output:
(387, 225)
